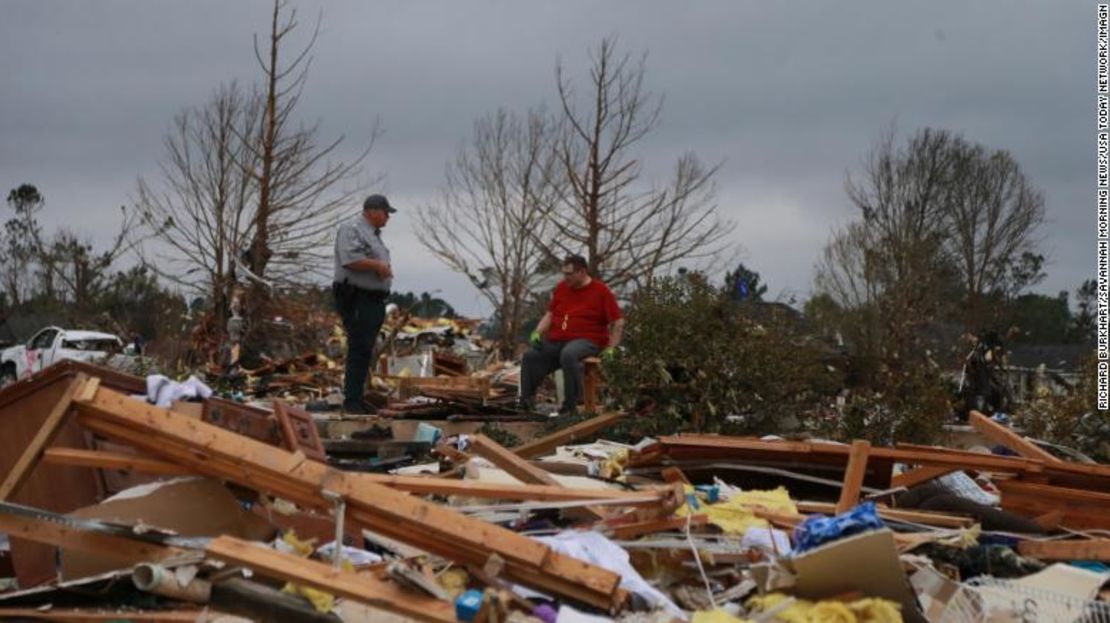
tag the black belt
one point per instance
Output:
(349, 289)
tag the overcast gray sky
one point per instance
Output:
(789, 95)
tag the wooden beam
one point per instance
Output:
(1005, 436)
(497, 491)
(919, 475)
(213, 451)
(364, 588)
(43, 438)
(853, 476)
(1086, 549)
(674, 474)
(100, 459)
(640, 528)
(545, 445)
(514, 464)
(518, 467)
(943, 520)
(97, 543)
(99, 615)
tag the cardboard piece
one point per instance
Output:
(187, 506)
(865, 562)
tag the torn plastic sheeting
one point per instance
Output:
(594, 548)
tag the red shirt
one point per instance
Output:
(582, 313)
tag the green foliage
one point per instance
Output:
(1071, 419)
(743, 284)
(1041, 319)
(702, 358)
(423, 305)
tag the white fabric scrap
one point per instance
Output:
(594, 548)
(162, 391)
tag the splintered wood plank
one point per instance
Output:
(640, 528)
(943, 520)
(853, 476)
(1005, 436)
(96, 543)
(497, 491)
(101, 459)
(919, 475)
(76, 615)
(364, 588)
(514, 464)
(545, 445)
(1086, 549)
(1081, 508)
(394, 514)
(520, 468)
(44, 437)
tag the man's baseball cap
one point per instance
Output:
(378, 202)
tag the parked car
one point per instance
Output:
(53, 344)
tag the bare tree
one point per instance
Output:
(992, 212)
(902, 201)
(629, 231)
(202, 212)
(249, 193)
(489, 216)
(74, 273)
(944, 225)
(300, 191)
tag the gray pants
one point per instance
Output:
(551, 356)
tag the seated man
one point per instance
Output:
(582, 319)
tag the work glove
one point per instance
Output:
(610, 354)
(536, 340)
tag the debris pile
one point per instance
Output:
(119, 509)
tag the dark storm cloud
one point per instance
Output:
(789, 95)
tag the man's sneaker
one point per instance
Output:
(525, 406)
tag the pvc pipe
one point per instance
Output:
(161, 581)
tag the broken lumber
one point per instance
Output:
(628, 531)
(101, 459)
(853, 476)
(1082, 509)
(438, 530)
(21, 522)
(98, 615)
(547, 444)
(518, 467)
(930, 518)
(360, 587)
(1005, 436)
(919, 475)
(43, 438)
(1086, 549)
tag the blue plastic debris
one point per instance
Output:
(467, 605)
(712, 493)
(820, 529)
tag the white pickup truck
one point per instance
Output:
(52, 344)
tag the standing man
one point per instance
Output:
(582, 319)
(363, 277)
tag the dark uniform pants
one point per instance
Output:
(363, 313)
(551, 356)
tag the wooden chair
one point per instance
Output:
(591, 389)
